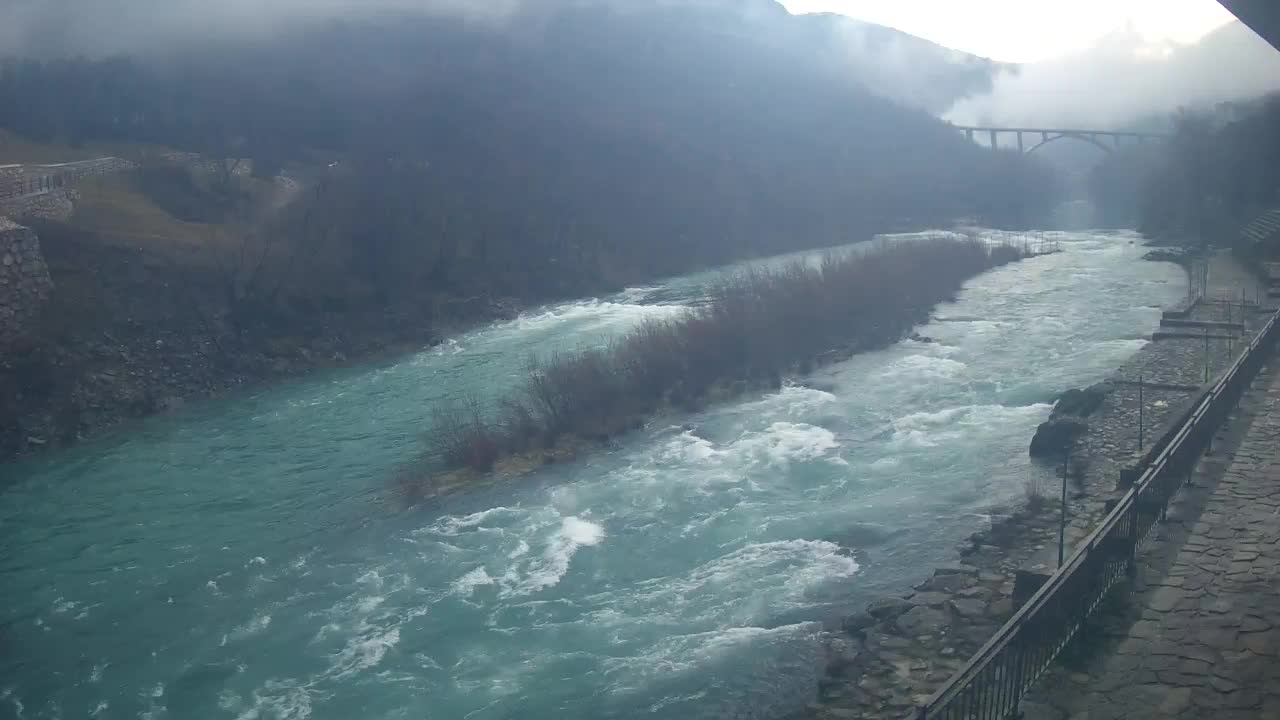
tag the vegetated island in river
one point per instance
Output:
(755, 327)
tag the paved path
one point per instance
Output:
(1201, 637)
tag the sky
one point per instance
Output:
(1030, 30)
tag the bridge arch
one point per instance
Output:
(1073, 136)
(1097, 138)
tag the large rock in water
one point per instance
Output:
(1055, 436)
(1065, 425)
(1081, 403)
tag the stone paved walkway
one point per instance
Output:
(1201, 637)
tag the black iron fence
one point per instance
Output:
(993, 682)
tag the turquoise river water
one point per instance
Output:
(247, 558)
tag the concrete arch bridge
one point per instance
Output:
(1030, 139)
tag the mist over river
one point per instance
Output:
(247, 558)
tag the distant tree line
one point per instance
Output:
(1220, 169)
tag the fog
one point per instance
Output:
(1121, 80)
(102, 27)
(908, 69)
(1109, 85)
(93, 27)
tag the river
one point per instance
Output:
(247, 559)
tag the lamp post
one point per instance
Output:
(1062, 516)
(1141, 410)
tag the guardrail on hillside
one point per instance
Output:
(993, 682)
(32, 180)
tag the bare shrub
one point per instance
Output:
(755, 326)
(464, 437)
(1037, 499)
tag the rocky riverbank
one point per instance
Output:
(889, 659)
(122, 337)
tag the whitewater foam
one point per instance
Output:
(679, 654)
(254, 626)
(551, 567)
(593, 314)
(452, 525)
(923, 367)
(364, 649)
(467, 584)
(786, 442)
(275, 700)
(779, 444)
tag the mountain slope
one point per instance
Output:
(569, 142)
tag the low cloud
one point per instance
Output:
(1122, 79)
(98, 27)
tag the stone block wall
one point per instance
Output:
(52, 205)
(24, 281)
(11, 180)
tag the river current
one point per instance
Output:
(249, 559)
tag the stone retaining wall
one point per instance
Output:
(24, 281)
(21, 181)
(52, 205)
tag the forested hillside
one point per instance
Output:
(1219, 171)
(443, 170)
(649, 139)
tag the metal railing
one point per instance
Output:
(54, 177)
(993, 682)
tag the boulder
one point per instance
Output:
(1173, 255)
(888, 608)
(930, 599)
(1055, 436)
(943, 582)
(1081, 403)
(960, 569)
(857, 623)
(968, 608)
(841, 653)
(921, 620)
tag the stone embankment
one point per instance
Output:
(46, 192)
(24, 282)
(1201, 637)
(113, 337)
(886, 661)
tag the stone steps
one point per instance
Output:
(1265, 227)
